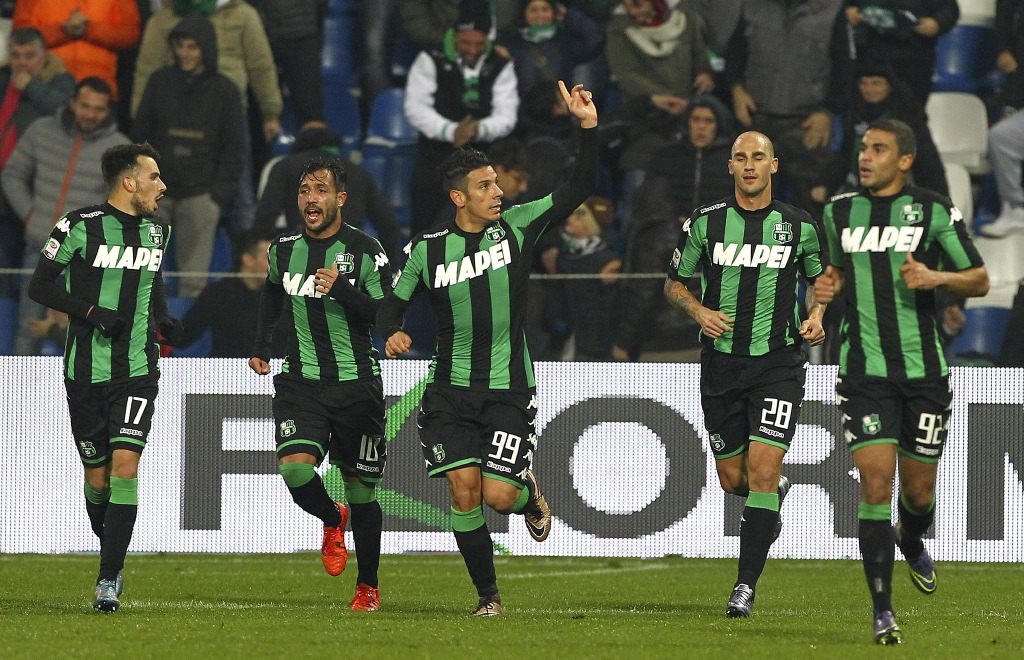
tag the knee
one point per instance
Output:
(733, 482)
(875, 488)
(918, 497)
(466, 498)
(502, 502)
(98, 481)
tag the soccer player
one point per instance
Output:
(888, 241)
(476, 418)
(328, 280)
(115, 300)
(751, 249)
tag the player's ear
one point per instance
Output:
(905, 162)
(775, 165)
(128, 183)
(458, 198)
(342, 196)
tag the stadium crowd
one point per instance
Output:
(483, 73)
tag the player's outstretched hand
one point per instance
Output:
(259, 365)
(397, 344)
(581, 104)
(110, 323)
(812, 331)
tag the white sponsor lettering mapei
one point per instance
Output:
(472, 265)
(127, 257)
(880, 239)
(751, 255)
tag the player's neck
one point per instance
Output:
(893, 188)
(755, 202)
(122, 204)
(470, 223)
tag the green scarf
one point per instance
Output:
(538, 34)
(197, 8)
(470, 86)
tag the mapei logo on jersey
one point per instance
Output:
(782, 232)
(880, 239)
(494, 233)
(751, 255)
(474, 265)
(128, 257)
(300, 284)
(156, 234)
(346, 262)
(50, 250)
(912, 213)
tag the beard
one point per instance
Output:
(141, 208)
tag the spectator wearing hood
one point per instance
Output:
(192, 114)
(880, 94)
(903, 33)
(55, 169)
(278, 208)
(550, 41)
(464, 93)
(684, 176)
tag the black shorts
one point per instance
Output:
(491, 429)
(914, 415)
(751, 398)
(109, 416)
(344, 419)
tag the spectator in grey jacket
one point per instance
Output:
(788, 65)
(55, 169)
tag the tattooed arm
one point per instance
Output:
(712, 323)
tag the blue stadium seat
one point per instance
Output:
(388, 125)
(178, 307)
(403, 52)
(964, 56)
(983, 332)
(341, 109)
(8, 324)
(389, 150)
(336, 55)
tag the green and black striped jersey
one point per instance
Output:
(890, 330)
(749, 270)
(477, 285)
(111, 260)
(331, 341)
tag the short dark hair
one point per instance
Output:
(122, 159)
(251, 238)
(327, 162)
(96, 84)
(457, 166)
(510, 153)
(24, 36)
(906, 141)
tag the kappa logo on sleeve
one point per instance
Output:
(380, 260)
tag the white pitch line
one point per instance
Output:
(594, 571)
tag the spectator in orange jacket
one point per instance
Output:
(86, 34)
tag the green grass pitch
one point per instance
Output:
(286, 606)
